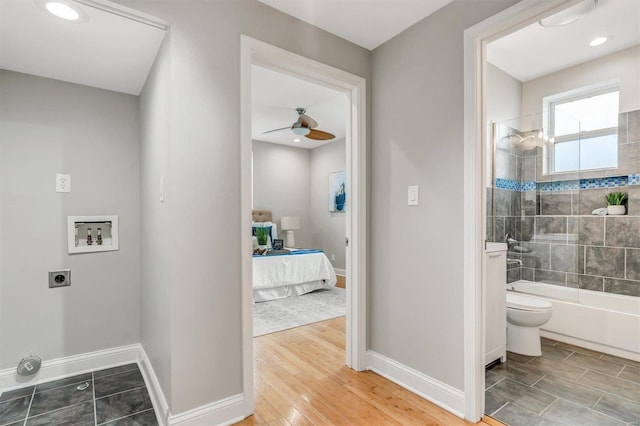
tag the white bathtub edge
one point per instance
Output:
(610, 350)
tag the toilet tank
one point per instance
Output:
(495, 302)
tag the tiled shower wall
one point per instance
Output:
(569, 246)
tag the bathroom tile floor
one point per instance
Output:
(567, 385)
(114, 396)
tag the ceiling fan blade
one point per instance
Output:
(308, 121)
(319, 135)
(276, 130)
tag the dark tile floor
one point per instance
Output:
(115, 396)
(567, 385)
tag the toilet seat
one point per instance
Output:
(527, 303)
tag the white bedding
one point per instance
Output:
(275, 277)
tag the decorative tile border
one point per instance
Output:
(512, 185)
(568, 185)
(561, 185)
(608, 182)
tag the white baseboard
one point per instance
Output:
(341, 272)
(158, 399)
(635, 356)
(224, 412)
(70, 366)
(441, 394)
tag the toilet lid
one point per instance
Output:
(520, 301)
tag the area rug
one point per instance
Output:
(283, 314)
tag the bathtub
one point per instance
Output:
(604, 322)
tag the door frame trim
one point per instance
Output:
(255, 52)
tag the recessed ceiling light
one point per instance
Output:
(296, 140)
(598, 41)
(569, 15)
(63, 9)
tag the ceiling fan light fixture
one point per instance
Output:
(301, 131)
(569, 15)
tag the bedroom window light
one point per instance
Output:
(584, 129)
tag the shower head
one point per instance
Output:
(535, 139)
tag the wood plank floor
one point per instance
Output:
(300, 379)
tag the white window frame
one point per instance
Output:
(549, 106)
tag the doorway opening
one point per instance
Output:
(256, 53)
(536, 254)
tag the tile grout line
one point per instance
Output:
(61, 408)
(124, 391)
(26, 416)
(124, 417)
(582, 375)
(501, 407)
(601, 396)
(545, 409)
(495, 384)
(135, 367)
(93, 389)
(538, 381)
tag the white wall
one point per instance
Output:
(623, 65)
(156, 227)
(281, 184)
(204, 168)
(416, 312)
(51, 127)
(504, 97)
(328, 229)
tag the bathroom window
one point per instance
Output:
(584, 129)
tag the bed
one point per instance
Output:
(276, 276)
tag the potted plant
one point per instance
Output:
(615, 203)
(262, 235)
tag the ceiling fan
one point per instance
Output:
(306, 126)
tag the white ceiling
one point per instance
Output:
(535, 51)
(367, 23)
(275, 97)
(108, 51)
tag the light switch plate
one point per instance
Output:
(412, 195)
(63, 183)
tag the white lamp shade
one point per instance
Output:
(290, 222)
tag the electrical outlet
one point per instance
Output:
(333, 257)
(63, 183)
(60, 278)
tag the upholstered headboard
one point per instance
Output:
(261, 215)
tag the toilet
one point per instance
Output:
(525, 315)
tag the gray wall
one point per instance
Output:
(156, 226)
(416, 312)
(204, 173)
(328, 229)
(51, 127)
(281, 184)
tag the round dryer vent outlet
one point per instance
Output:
(29, 365)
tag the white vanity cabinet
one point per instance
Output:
(495, 302)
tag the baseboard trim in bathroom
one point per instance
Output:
(441, 394)
(587, 344)
(70, 366)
